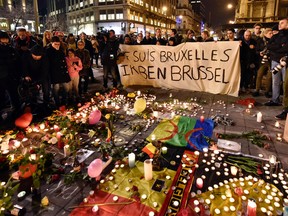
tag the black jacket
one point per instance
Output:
(57, 66)
(110, 49)
(36, 69)
(9, 60)
(278, 45)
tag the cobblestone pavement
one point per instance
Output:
(226, 106)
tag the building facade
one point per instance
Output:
(185, 17)
(199, 15)
(263, 11)
(124, 16)
(16, 13)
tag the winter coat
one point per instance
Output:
(84, 55)
(110, 49)
(74, 66)
(57, 66)
(278, 45)
(36, 69)
(9, 60)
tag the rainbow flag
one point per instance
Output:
(183, 131)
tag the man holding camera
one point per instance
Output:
(278, 47)
(109, 58)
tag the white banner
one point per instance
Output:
(212, 67)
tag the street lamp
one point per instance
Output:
(229, 6)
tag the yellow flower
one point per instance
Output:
(131, 95)
(107, 116)
(45, 201)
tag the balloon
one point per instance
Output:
(140, 105)
(94, 117)
(24, 120)
(95, 168)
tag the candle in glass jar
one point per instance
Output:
(251, 208)
(66, 150)
(199, 183)
(277, 124)
(95, 209)
(131, 160)
(155, 114)
(202, 118)
(164, 150)
(148, 169)
(233, 170)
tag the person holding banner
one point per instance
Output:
(158, 38)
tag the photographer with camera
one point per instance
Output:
(278, 47)
(110, 48)
(263, 53)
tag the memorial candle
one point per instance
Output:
(164, 150)
(199, 183)
(66, 150)
(233, 170)
(277, 124)
(251, 208)
(259, 117)
(148, 169)
(131, 160)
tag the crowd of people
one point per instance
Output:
(61, 65)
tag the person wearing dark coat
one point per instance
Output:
(58, 71)
(158, 37)
(23, 42)
(247, 59)
(9, 77)
(148, 39)
(35, 70)
(89, 47)
(109, 59)
(84, 55)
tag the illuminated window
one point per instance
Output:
(103, 17)
(111, 16)
(92, 18)
(141, 19)
(91, 2)
(141, 3)
(136, 18)
(132, 17)
(147, 5)
(137, 1)
(119, 15)
(102, 0)
(82, 19)
(152, 8)
(81, 4)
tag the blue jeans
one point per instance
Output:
(276, 82)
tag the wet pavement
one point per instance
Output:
(226, 106)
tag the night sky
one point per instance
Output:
(42, 4)
(219, 12)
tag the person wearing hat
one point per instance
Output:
(35, 70)
(9, 77)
